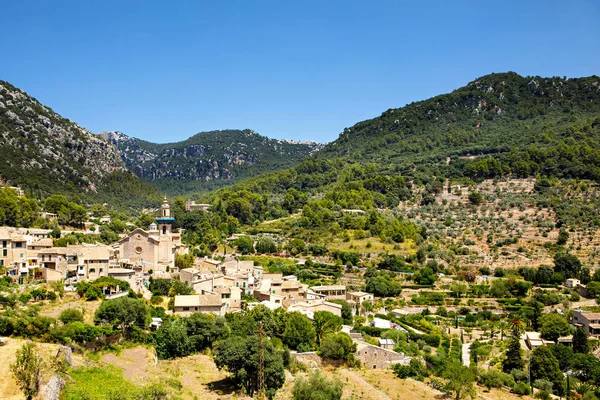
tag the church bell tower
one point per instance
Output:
(164, 220)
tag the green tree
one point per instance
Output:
(326, 322)
(425, 276)
(567, 264)
(123, 312)
(183, 261)
(346, 310)
(475, 198)
(171, 339)
(71, 315)
(244, 245)
(563, 354)
(592, 289)
(318, 387)
(514, 357)
(553, 326)
(499, 289)
(337, 346)
(27, 370)
(460, 380)
(240, 356)
(544, 365)
(563, 236)
(296, 246)
(383, 286)
(266, 245)
(299, 332)
(580, 341)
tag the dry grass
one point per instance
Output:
(88, 308)
(9, 389)
(196, 375)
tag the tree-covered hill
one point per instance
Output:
(498, 125)
(207, 159)
(45, 153)
(522, 122)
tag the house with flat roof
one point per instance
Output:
(309, 308)
(331, 292)
(359, 297)
(186, 305)
(534, 339)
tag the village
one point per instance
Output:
(219, 287)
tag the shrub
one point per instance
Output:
(70, 315)
(7, 326)
(156, 300)
(521, 388)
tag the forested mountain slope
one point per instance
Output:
(45, 153)
(525, 123)
(207, 159)
(498, 125)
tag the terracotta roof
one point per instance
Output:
(590, 315)
(43, 243)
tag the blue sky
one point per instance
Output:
(163, 71)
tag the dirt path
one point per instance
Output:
(466, 354)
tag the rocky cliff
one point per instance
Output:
(42, 150)
(207, 159)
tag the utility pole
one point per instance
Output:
(261, 363)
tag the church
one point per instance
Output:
(155, 248)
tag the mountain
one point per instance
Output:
(498, 125)
(500, 114)
(45, 153)
(207, 159)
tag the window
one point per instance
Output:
(1, 263)
(21, 255)
(4, 243)
(186, 308)
(18, 244)
(4, 252)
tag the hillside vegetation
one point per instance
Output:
(501, 125)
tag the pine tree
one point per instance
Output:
(514, 357)
(580, 341)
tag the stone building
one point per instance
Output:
(154, 249)
(376, 357)
(589, 320)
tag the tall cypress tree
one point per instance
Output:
(514, 356)
(580, 341)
